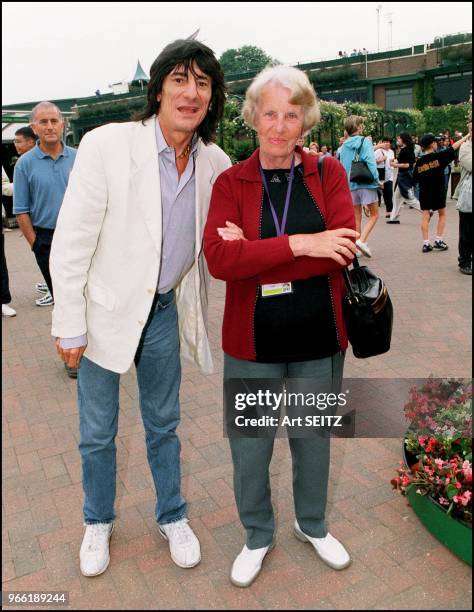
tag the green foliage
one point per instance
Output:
(450, 117)
(416, 120)
(119, 109)
(347, 73)
(419, 95)
(245, 59)
(457, 54)
(243, 149)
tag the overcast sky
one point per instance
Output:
(68, 49)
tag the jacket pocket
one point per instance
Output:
(101, 296)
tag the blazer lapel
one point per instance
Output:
(145, 178)
(205, 177)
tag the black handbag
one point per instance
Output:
(367, 307)
(368, 312)
(360, 171)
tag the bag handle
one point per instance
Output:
(355, 261)
(357, 155)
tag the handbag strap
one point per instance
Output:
(355, 261)
(357, 155)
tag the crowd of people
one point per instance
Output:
(423, 169)
(122, 232)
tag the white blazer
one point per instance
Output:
(106, 251)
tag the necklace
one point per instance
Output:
(186, 152)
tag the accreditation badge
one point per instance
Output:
(276, 289)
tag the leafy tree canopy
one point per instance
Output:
(245, 59)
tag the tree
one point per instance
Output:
(246, 59)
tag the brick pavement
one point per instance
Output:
(397, 563)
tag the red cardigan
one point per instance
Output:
(237, 196)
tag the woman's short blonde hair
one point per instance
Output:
(302, 92)
(352, 122)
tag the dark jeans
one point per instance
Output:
(465, 239)
(6, 297)
(388, 195)
(42, 248)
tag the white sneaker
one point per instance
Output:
(364, 247)
(46, 300)
(94, 553)
(42, 287)
(184, 546)
(7, 311)
(247, 565)
(330, 550)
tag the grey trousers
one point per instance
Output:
(310, 456)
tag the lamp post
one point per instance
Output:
(378, 9)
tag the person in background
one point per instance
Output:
(314, 148)
(404, 191)
(261, 248)
(300, 143)
(25, 140)
(7, 311)
(463, 195)
(362, 194)
(39, 183)
(429, 173)
(388, 180)
(443, 144)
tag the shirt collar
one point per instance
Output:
(41, 154)
(163, 145)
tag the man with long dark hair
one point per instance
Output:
(126, 266)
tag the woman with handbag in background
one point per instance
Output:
(280, 240)
(357, 153)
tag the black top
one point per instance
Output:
(406, 156)
(429, 173)
(299, 326)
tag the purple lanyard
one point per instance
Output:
(280, 230)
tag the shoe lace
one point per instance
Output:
(95, 536)
(180, 531)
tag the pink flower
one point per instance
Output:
(443, 501)
(463, 499)
(422, 440)
(440, 463)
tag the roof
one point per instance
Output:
(140, 74)
(9, 129)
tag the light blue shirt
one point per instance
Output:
(39, 184)
(178, 205)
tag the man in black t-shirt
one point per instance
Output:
(429, 174)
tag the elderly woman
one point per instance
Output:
(280, 239)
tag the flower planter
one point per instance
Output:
(454, 534)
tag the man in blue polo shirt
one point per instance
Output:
(39, 184)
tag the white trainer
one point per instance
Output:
(41, 287)
(94, 553)
(7, 311)
(184, 546)
(247, 565)
(46, 300)
(364, 247)
(330, 550)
